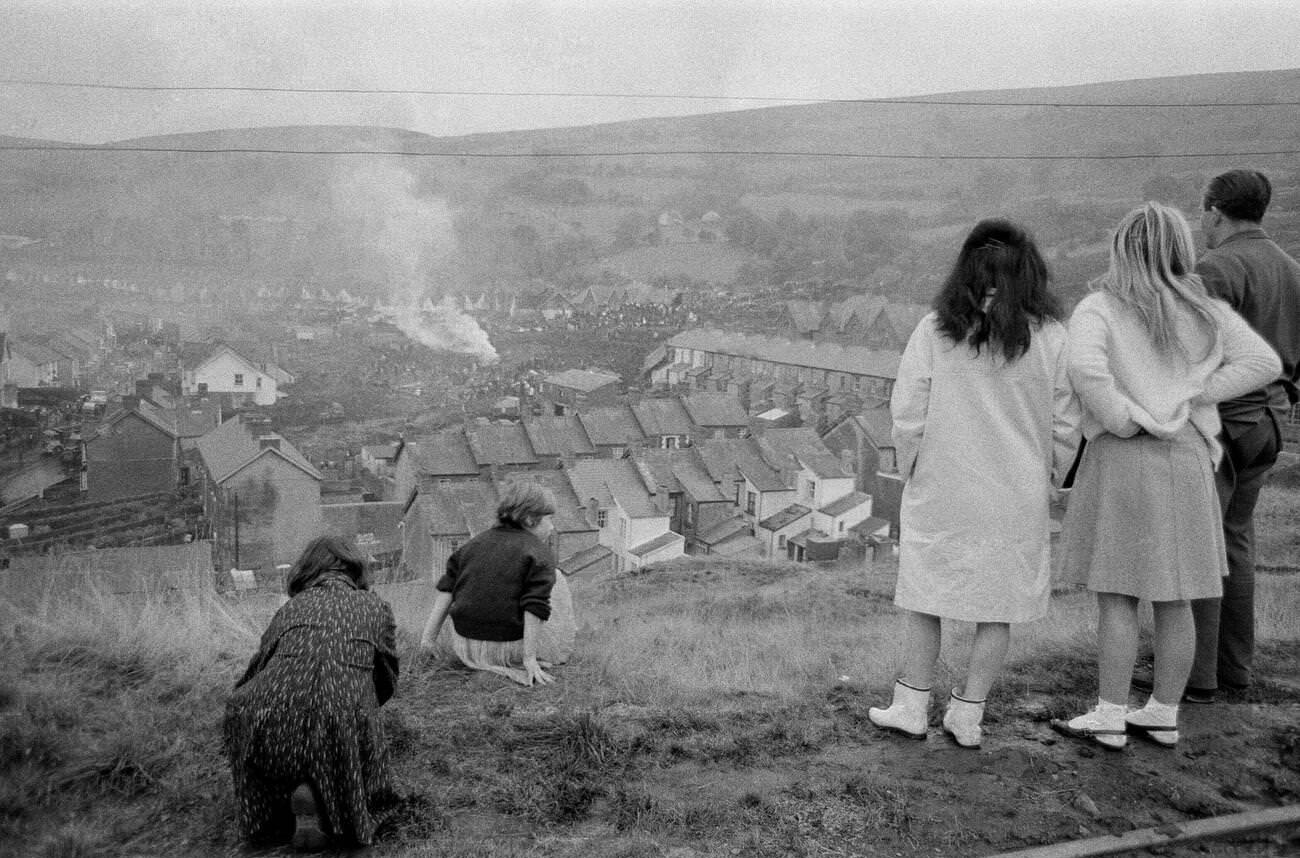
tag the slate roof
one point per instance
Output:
(611, 426)
(583, 380)
(445, 453)
(662, 417)
(798, 448)
(151, 414)
(805, 316)
(651, 545)
(380, 451)
(585, 559)
(737, 544)
(722, 531)
(195, 355)
(763, 477)
(785, 517)
(850, 501)
(681, 470)
(823, 463)
(558, 436)
(856, 360)
(196, 419)
(715, 410)
(570, 510)
(728, 459)
(878, 423)
(860, 308)
(657, 356)
(870, 525)
(231, 447)
(459, 509)
(609, 480)
(160, 417)
(500, 444)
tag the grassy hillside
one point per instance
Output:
(712, 707)
(422, 211)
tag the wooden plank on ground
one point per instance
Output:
(1167, 835)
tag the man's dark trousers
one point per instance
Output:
(1225, 628)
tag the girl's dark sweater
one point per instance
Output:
(494, 578)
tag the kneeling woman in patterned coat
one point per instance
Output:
(307, 709)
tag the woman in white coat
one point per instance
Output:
(1151, 353)
(984, 423)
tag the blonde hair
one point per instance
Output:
(1151, 260)
(523, 503)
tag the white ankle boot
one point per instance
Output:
(907, 715)
(962, 721)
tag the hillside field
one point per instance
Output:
(712, 708)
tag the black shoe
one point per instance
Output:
(1198, 695)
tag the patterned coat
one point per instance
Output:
(306, 711)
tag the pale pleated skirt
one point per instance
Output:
(1143, 519)
(506, 658)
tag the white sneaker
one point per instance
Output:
(1156, 722)
(1104, 724)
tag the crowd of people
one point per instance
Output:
(1155, 407)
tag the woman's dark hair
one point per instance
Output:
(1239, 194)
(327, 554)
(995, 289)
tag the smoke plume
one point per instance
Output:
(411, 238)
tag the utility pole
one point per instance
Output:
(236, 497)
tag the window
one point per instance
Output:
(780, 543)
(239, 379)
(750, 502)
(812, 489)
(602, 517)
(690, 513)
(258, 383)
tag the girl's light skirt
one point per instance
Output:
(554, 645)
(1143, 519)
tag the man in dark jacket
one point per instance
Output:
(1245, 268)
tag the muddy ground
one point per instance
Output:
(522, 772)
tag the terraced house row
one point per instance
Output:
(820, 382)
(778, 494)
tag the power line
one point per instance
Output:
(638, 153)
(488, 93)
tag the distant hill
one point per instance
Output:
(516, 207)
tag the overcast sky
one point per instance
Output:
(594, 52)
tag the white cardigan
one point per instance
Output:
(1127, 386)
